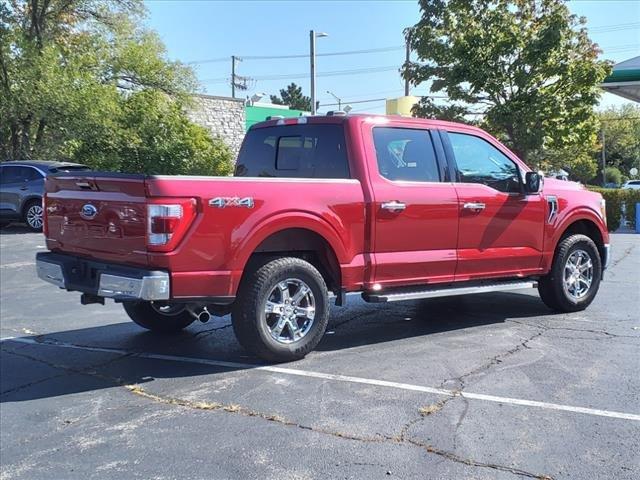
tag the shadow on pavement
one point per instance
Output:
(31, 372)
(15, 228)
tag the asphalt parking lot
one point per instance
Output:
(481, 387)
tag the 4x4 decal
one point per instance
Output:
(222, 202)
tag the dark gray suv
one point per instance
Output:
(22, 187)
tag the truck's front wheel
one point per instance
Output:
(159, 317)
(575, 275)
(282, 309)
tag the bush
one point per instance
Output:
(614, 199)
(612, 175)
(631, 198)
(619, 202)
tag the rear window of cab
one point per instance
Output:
(294, 151)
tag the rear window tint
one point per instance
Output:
(295, 151)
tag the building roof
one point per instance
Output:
(624, 80)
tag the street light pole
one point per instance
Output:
(337, 99)
(312, 61)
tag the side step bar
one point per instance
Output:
(435, 291)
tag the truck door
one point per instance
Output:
(501, 228)
(415, 208)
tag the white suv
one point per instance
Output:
(632, 185)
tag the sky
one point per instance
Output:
(210, 32)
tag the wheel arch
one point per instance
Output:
(311, 239)
(583, 224)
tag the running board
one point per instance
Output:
(433, 292)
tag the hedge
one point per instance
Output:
(620, 203)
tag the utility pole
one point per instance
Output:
(604, 157)
(407, 59)
(233, 76)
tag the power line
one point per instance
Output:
(300, 55)
(334, 73)
(613, 28)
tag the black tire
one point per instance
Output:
(251, 323)
(145, 315)
(552, 286)
(32, 215)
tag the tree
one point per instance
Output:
(621, 128)
(525, 69)
(71, 72)
(612, 175)
(293, 97)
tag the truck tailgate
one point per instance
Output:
(98, 215)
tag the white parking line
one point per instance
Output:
(341, 378)
(17, 264)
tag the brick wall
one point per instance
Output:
(222, 116)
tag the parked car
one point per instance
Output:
(632, 185)
(395, 208)
(22, 187)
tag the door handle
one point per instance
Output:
(475, 206)
(24, 188)
(393, 206)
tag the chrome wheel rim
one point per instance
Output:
(578, 275)
(34, 216)
(290, 310)
(168, 309)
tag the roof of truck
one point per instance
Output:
(359, 118)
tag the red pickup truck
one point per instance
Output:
(395, 208)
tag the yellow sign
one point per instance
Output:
(401, 105)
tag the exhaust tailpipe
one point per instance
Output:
(203, 315)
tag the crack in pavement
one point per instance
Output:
(401, 439)
(571, 329)
(357, 316)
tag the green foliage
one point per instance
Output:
(631, 199)
(612, 175)
(293, 97)
(614, 199)
(620, 203)
(622, 136)
(526, 67)
(80, 81)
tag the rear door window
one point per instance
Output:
(11, 175)
(294, 151)
(406, 154)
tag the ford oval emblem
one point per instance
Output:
(88, 211)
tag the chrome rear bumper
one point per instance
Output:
(102, 279)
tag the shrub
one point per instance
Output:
(613, 197)
(631, 198)
(619, 202)
(612, 175)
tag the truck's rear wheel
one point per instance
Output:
(159, 317)
(575, 275)
(282, 310)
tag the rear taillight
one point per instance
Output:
(167, 222)
(45, 229)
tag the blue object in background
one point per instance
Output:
(637, 217)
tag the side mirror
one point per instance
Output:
(533, 182)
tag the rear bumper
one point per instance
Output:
(607, 256)
(102, 279)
